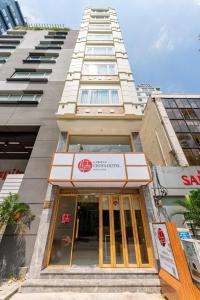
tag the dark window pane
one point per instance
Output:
(197, 112)
(196, 137)
(193, 156)
(174, 113)
(188, 113)
(195, 103)
(182, 103)
(186, 140)
(194, 126)
(169, 103)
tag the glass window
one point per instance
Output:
(99, 37)
(196, 137)
(179, 126)
(188, 113)
(194, 126)
(174, 113)
(186, 140)
(169, 103)
(101, 96)
(193, 156)
(100, 50)
(41, 57)
(100, 26)
(28, 75)
(99, 144)
(20, 97)
(99, 69)
(182, 103)
(195, 103)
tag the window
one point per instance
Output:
(174, 113)
(100, 17)
(99, 26)
(99, 96)
(193, 156)
(188, 113)
(99, 69)
(186, 140)
(20, 98)
(179, 126)
(195, 103)
(182, 103)
(31, 74)
(99, 37)
(194, 126)
(100, 50)
(4, 57)
(42, 57)
(99, 144)
(169, 103)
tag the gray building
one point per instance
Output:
(34, 66)
(10, 15)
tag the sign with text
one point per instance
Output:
(99, 170)
(179, 180)
(99, 167)
(192, 253)
(165, 253)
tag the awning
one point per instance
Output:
(106, 170)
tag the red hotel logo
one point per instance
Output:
(161, 237)
(85, 165)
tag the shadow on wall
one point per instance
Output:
(12, 253)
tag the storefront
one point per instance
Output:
(178, 182)
(99, 217)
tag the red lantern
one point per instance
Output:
(66, 218)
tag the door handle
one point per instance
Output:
(77, 228)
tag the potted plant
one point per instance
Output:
(16, 213)
(191, 209)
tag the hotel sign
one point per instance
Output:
(99, 170)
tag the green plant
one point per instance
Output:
(14, 212)
(53, 28)
(190, 208)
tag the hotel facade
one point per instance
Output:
(98, 204)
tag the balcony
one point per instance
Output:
(100, 169)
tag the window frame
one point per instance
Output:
(97, 47)
(90, 88)
(99, 35)
(96, 71)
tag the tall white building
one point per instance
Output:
(99, 81)
(98, 208)
(144, 91)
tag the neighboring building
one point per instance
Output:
(173, 138)
(98, 207)
(144, 91)
(32, 78)
(10, 15)
(170, 136)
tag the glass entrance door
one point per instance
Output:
(104, 230)
(124, 240)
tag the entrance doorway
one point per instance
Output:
(86, 240)
(100, 230)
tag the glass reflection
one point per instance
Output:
(129, 231)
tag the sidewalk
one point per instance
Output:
(86, 296)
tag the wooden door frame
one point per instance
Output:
(111, 226)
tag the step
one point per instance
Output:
(87, 296)
(92, 285)
(96, 273)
